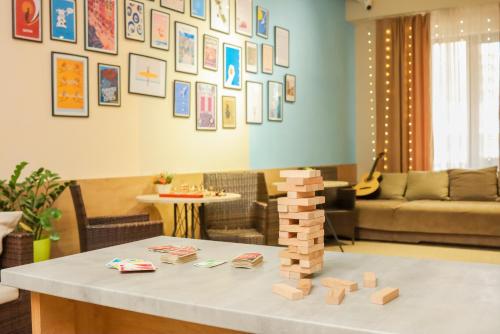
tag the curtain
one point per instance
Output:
(465, 86)
(404, 129)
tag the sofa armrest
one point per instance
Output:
(17, 249)
(260, 217)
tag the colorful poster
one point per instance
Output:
(282, 46)
(27, 16)
(267, 59)
(177, 5)
(63, 20)
(147, 76)
(275, 101)
(229, 112)
(160, 30)
(254, 102)
(210, 53)
(232, 66)
(198, 9)
(244, 9)
(206, 101)
(69, 85)
(262, 22)
(186, 48)
(219, 15)
(290, 88)
(101, 18)
(182, 99)
(134, 20)
(109, 85)
(251, 57)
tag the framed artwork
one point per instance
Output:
(232, 66)
(182, 99)
(177, 5)
(101, 26)
(267, 59)
(199, 9)
(262, 29)
(252, 55)
(244, 22)
(254, 102)
(275, 101)
(27, 20)
(282, 46)
(109, 82)
(134, 20)
(63, 20)
(147, 76)
(210, 53)
(290, 88)
(160, 30)
(219, 15)
(186, 48)
(70, 85)
(229, 112)
(206, 106)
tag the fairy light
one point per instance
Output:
(410, 105)
(371, 91)
(387, 94)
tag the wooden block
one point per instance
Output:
(302, 215)
(295, 194)
(305, 188)
(287, 291)
(286, 221)
(300, 173)
(335, 296)
(296, 256)
(300, 181)
(298, 208)
(311, 262)
(300, 229)
(286, 262)
(319, 221)
(287, 235)
(294, 275)
(295, 242)
(284, 274)
(331, 282)
(293, 249)
(305, 284)
(301, 201)
(298, 269)
(369, 280)
(310, 249)
(310, 235)
(282, 208)
(385, 295)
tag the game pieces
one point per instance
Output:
(130, 265)
(179, 256)
(305, 284)
(335, 295)
(369, 280)
(385, 295)
(287, 291)
(331, 282)
(247, 260)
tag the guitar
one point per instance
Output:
(369, 183)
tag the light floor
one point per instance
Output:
(435, 252)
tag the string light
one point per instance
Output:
(410, 119)
(387, 94)
(371, 92)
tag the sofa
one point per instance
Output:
(451, 207)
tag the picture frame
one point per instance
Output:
(251, 57)
(206, 106)
(63, 22)
(175, 5)
(254, 102)
(199, 9)
(267, 59)
(210, 52)
(229, 112)
(28, 28)
(275, 101)
(290, 88)
(160, 30)
(262, 22)
(108, 85)
(147, 76)
(70, 85)
(102, 37)
(182, 99)
(220, 16)
(186, 48)
(232, 73)
(282, 46)
(134, 20)
(244, 17)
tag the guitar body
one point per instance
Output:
(368, 186)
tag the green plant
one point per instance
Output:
(164, 178)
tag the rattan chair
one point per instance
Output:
(100, 232)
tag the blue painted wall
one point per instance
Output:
(319, 128)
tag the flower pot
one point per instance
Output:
(163, 188)
(41, 249)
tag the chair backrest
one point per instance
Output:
(81, 215)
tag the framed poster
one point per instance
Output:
(101, 26)
(210, 53)
(262, 29)
(27, 20)
(229, 112)
(254, 102)
(160, 30)
(109, 82)
(147, 76)
(182, 99)
(70, 85)
(252, 55)
(290, 88)
(199, 9)
(275, 101)
(232, 66)
(177, 5)
(134, 20)
(206, 106)
(282, 46)
(244, 22)
(186, 48)
(219, 15)
(267, 59)
(63, 20)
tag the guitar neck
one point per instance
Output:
(370, 176)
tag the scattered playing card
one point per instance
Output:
(209, 263)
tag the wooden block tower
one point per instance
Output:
(301, 223)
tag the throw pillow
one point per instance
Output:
(473, 184)
(393, 185)
(427, 185)
(8, 222)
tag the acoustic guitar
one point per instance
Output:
(369, 183)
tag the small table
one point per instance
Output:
(180, 216)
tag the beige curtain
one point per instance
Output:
(404, 129)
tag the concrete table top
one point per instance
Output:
(435, 296)
(156, 199)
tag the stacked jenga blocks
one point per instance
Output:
(301, 223)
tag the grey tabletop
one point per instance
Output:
(435, 296)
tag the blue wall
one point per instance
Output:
(319, 128)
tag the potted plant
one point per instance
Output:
(163, 183)
(34, 196)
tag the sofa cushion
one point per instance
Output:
(8, 294)
(8, 222)
(393, 186)
(377, 213)
(427, 185)
(473, 184)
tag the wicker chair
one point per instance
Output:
(100, 232)
(243, 221)
(15, 316)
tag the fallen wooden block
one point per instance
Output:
(302, 215)
(300, 173)
(310, 235)
(369, 280)
(335, 296)
(385, 295)
(331, 282)
(305, 188)
(300, 181)
(287, 291)
(301, 201)
(295, 194)
(305, 284)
